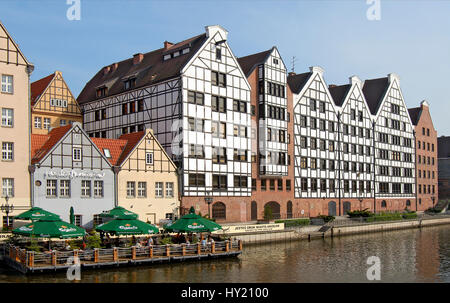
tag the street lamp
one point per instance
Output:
(209, 201)
(6, 208)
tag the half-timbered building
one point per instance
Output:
(195, 97)
(15, 71)
(52, 104)
(68, 170)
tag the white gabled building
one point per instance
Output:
(195, 97)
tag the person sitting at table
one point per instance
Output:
(67, 247)
(150, 241)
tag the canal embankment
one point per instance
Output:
(337, 228)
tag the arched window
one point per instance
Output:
(332, 208)
(289, 209)
(219, 211)
(408, 202)
(274, 209)
(383, 203)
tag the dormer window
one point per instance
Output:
(275, 61)
(185, 51)
(176, 54)
(107, 153)
(129, 83)
(218, 54)
(167, 57)
(101, 92)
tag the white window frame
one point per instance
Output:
(78, 220)
(76, 154)
(169, 189)
(52, 188)
(37, 122)
(86, 188)
(98, 189)
(47, 123)
(62, 122)
(131, 189)
(8, 187)
(7, 117)
(7, 86)
(149, 158)
(7, 151)
(64, 188)
(159, 187)
(142, 190)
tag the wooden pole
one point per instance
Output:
(133, 253)
(227, 246)
(240, 244)
(183, 249)
(150, 251)
(54, 258)
(168, 250)
(199, 248)
(96, 253)
(31, 259)
(115, 254)
(213, 247)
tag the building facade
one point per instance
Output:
(15, 72)
(146, 178)
(52, 104)
(68, 170)
(426, 157)
(444, 167)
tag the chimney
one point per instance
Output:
(393, 77)
(291, 74)
(137, 58)
(114, 66)
(316, 69)
(106, 70)
(355, 80)
(424, 103)
(167, 45)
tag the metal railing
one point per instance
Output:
(117, 254)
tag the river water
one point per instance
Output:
(415, 255)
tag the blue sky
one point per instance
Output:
(412, 38)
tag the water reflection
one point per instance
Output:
(406, 256)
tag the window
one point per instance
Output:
(313, 184)
(240, 181)
(272, 184)
(346, 186)
(396, 188)
(313, 122)
(253, 184)
(331, 126)
(219, 155)
(149, 158)
(85, 188)
(131, 191)
(97, 220)
(303, 142)
(313, 163)
(196, 97)
(64, 188)
(312, 104)
(322, 125)
(98, 189)
(197, 180)
(196, 151)
(129, 83)
(384, 188)
(332, 187)
(51, 188)
(158, 189)
(280, 185)
(47, 122)
(101, 92)
(360, 116)
(240, 155)
(196, 125)
(303, 121)
(218, 129)
(288, 185)
(7, 151)
(353, 114)
(239, 106)
(78, 220)
(62, 122)
(7, 117)
(218, 104)
(322, 106)
(263, 185)
(219, 182)
(218, 53)
(37, 122)
(240, 131)
(7, 84)
(141, 192)
(132, 107)
(169, 189)
(76, 154)
(218, 79)
(323, 185)
(304, 184)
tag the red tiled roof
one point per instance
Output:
(37, 141)
(38, 87)
(53, 137)
(115, 146)
(132, 140)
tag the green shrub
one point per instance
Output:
(294, 222)
(165, 241)
(360, 213)
(385, 217)
(268, 215)
(94, 241)
(409, 215)
(34, 245)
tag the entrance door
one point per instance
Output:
(332, 208)
(347, 207)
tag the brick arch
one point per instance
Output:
(275, 207)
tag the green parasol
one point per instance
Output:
(50, 229)
(193, 223)
(37, 213)
(119, 213)
(127, 227)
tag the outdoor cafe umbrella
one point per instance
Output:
(50, 229)
(193, 223)
(37, 213)
(127, 227)
(119, 213)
